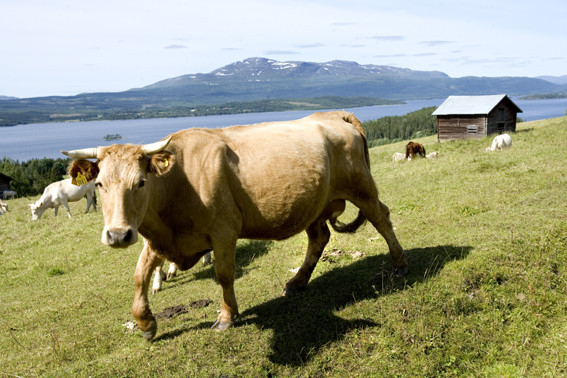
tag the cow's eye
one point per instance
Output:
(142, 183)
(98, 185)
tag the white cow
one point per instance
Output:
(8, 194)
(3, 207)
(160, 275)
(398, 157)
(500, 141)
(432, 155)
(60, 193)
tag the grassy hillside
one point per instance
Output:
(486, 239)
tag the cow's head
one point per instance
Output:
(125, 175)
(36, 210)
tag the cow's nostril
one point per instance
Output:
(128, 237)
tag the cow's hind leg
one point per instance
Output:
(147, 263)
(379, 215)
(159, 277)
(319, 235)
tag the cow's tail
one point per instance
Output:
(351, 227)
(360, 219)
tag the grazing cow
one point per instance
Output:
(60, 193)
(413, 149)
(499, 142)
(3, 207)
(160, 276)
(200, 190)
(432, 155)
(398, 157)
(9, 194)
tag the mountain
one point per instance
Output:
(562, 80)
(261, 78)
(264, 80)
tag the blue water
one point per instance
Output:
(40, 140)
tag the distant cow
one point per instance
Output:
(9, 194)
(413, 149)
(60, 193)
(432, 155)
(499, 142)
(200, 190)
(398, 157)
(3, 207)
(160, 276)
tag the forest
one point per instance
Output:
(31, 177)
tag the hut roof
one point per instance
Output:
(472, 105)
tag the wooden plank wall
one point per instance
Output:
(461, 127)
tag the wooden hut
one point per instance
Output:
(463, 117)
(4, 183)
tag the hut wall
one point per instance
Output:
(461, 127)
(501, 119)
(4, 183)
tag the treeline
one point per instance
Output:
(51, 109)
(32, 176)
(393, 129)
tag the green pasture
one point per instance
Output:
(486, 238)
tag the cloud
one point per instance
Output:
(425, 54)
(388, 38)
(231, 49)
(436, 43)
(390, 56)
(310, 45)
(173, 47)
(281, 52)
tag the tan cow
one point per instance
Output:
(200, 190)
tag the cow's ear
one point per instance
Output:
(86, 168)
(161, 162)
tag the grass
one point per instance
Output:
(486, 239)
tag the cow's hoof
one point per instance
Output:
(221, 326)
(291, 291)
(401, 271)
(151, 332)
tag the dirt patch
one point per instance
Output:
(172, 312)
(330, 255)
(201, 303)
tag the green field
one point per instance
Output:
(486, 240)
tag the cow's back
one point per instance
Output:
(280, 175)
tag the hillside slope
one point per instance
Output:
(486, 240)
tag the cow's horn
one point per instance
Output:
(152, 148)
(85, 153)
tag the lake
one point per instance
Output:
(25, 142)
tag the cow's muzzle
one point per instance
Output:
(119, 238)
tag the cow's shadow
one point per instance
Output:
(305, 322)
(245, 254)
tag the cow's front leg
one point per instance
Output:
(225, 264)
(66, 206)
(147, 263)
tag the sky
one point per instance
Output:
(67, 47)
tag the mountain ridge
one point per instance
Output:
(260, 80)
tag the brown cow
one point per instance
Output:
(200, 190)
(413, 149)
